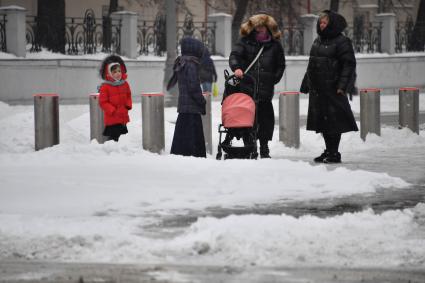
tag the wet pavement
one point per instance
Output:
(408, 164)
(43, 272)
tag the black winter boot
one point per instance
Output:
(321, 157)
(333, 157)
(264, 150)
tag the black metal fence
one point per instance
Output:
(87, 35)
(3, 33)
(293, 40)
(403, 36)
(151, 35)
(366, 38)
(202, 31)
(33, 42)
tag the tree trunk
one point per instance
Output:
(241, 7)
(334, 5)
(51, 25)
(417, 39)
(107, 26)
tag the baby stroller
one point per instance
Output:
(239, 120)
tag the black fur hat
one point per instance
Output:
(108, 60)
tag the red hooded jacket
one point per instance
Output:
(115, 101)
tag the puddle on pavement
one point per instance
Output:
(382, 200)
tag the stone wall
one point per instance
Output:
(74, 79)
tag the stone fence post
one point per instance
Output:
(128, 37)
(15, 29)
(309, 22)
(223, 33)
(388, 21)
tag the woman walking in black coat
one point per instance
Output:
(260, 30)
(330, 76)
(188, 137)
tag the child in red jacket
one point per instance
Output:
(115, 97)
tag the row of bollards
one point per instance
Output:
(370, 112)
(46, 112)
(46, 117)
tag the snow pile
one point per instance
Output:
(352, 239)
(364, 239)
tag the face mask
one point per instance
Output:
(262, 36)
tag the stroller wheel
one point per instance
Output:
(218, 156)
(226, 156)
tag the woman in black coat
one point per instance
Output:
(188, 139)
(260, 30)
(330, 76)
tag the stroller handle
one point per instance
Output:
(237, 80)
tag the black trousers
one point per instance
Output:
(265, 121)
(188, 139)
(114, 132)
(332, 141)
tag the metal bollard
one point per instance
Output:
(153, 122)
(408, 105)
(370, 112)
(96, 119)
(46, 120)
(289, 118)
(206, 123)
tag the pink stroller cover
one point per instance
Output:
(238, 111)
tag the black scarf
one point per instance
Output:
(179, 65)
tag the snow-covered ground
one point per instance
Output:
(84, 202)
